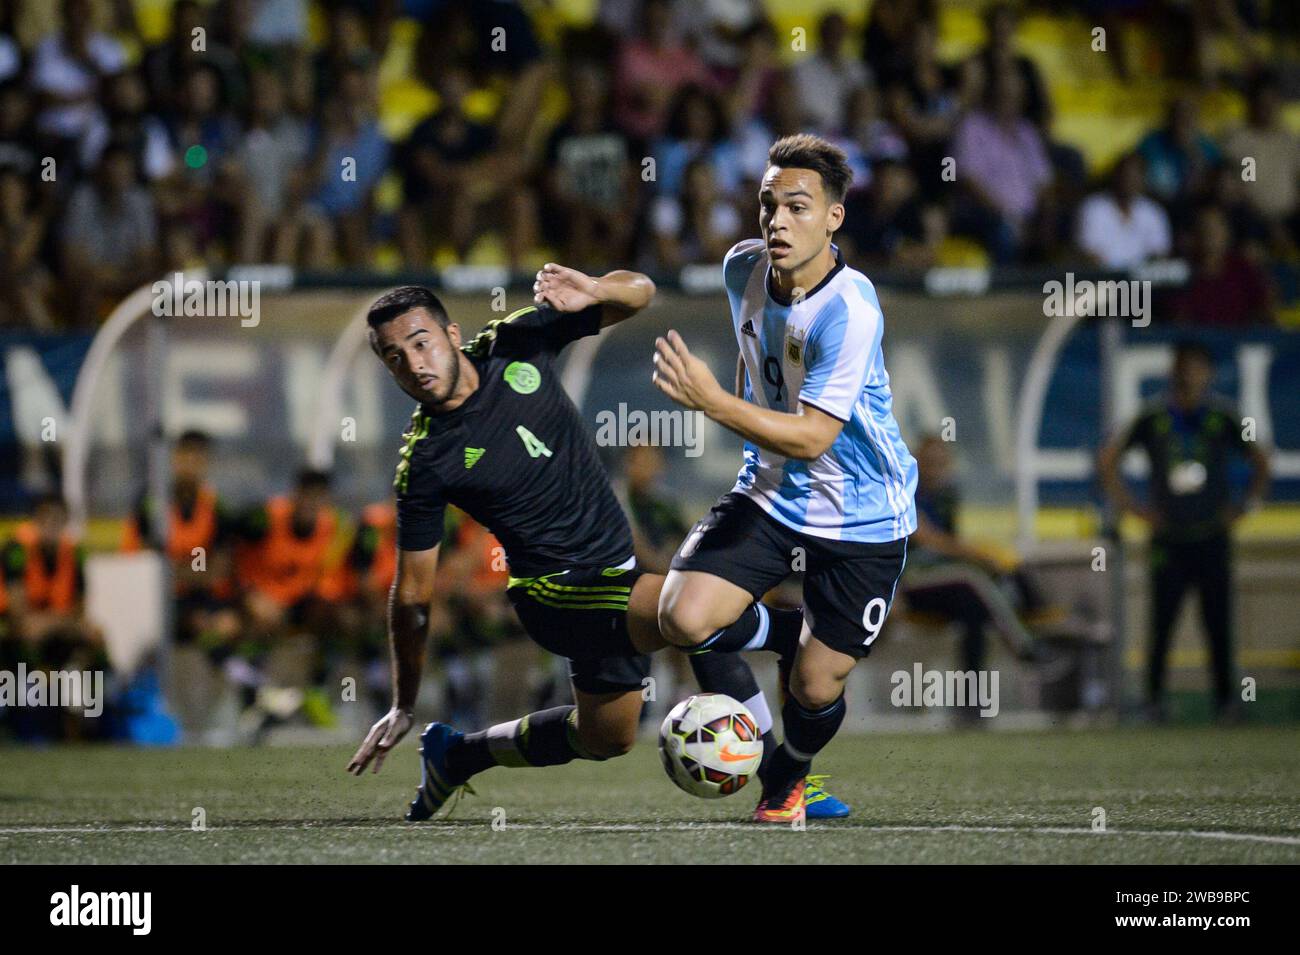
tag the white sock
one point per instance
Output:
(759, 638)
(757, 705)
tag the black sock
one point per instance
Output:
(806, 733)
(546, 738)
(758, 628)
(783, 633)
(784, 667)
(729, 673)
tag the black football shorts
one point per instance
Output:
(581, 614)
(848, 586)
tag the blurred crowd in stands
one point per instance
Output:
(420, 133)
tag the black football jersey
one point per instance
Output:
(516, 455)
(1190, 455)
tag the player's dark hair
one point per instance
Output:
(117, 146)
(218, 78)
(194, 439)
(806, 151)
(310, 479)
(994, 11)
(1191, 348)
(182, 5)
(1264, 80)
(1132, 156)
(405, 299)
(682, 102)
(829, 18)
(761, 27)
(49, 499)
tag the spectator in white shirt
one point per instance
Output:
(1121, 228)
(699, 226)
(823, 80)
(1274, 152)
(11, 58)
(278, 23)
(110, 235)
(66, 71)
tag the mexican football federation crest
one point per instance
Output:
(522, 377)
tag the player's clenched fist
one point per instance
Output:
(383, 736)
(683, 377)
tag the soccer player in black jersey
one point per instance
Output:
(495, 434)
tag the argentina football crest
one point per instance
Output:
(794, 345)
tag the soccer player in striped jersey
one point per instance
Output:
(827, 485)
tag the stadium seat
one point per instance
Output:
(961, 33)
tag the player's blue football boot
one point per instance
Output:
(438, 785)
(819, 804)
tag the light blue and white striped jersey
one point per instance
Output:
(824, 351)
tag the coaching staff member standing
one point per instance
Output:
(1190, 437)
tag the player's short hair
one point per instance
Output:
(310, 479)
(115, 147)
(687, 95)
(1186, 348)
(405, 299)
(806, 151)
(1264, 81)
(194, 440)
(49, 499)
(994, 11)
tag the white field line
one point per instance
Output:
(464, 825)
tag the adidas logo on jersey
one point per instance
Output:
(472, 455)
(748, 328)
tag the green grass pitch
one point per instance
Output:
(1170, 796)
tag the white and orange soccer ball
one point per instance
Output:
(710, 745)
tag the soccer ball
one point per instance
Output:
(710, 745)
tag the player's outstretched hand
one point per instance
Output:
(683, 377)
(383, 736)
(564, 289)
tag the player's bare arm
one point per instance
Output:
(621, 293)
(1115, 488)
(409, 605)
(805, 434)
(934, 538)
(1261, 477)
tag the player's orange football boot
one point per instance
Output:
(784, 807)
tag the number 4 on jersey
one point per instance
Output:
(534, 444)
